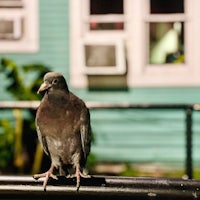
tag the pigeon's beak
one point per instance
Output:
(44, 87)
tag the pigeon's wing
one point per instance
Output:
(85, 131)
(43, 141)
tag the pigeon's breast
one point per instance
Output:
(54, 121)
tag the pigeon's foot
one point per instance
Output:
(78, 174)
(46, 175)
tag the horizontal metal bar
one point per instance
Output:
(100, 105)
(19, 104)
(99, 187)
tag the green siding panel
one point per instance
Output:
(139, 154)
(139, 135)
(144, 95)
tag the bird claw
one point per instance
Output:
(78, 174)
(85, 175)
(38, 176)
(46, 175)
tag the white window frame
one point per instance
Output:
(100, 18)
(135, 36)
(164, 74)
(28, 41)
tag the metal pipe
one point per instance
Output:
(100, 105)
(189, 167)
(100, 187)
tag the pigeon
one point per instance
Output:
(63, 128)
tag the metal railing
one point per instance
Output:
(100, 187)
(188, 108)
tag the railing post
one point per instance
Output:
(189, 166)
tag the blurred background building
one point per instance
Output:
(116, 51)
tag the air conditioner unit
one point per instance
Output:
(103, 56)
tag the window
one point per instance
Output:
(18, 26)
(166, 31)
(158, 42)
(168, 36)
(166, 7)
(101, 49)
(166, 42)
(105, 15)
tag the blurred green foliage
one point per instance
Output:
(6, 143)
(23, 84)
(24, 80)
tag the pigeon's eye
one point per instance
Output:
(55, 81)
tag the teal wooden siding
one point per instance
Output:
(143, 135)
(129, 135)
(140, 136)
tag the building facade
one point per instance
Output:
(117, 51)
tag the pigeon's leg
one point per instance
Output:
(78, 174)
(78, 177)
(47, 174)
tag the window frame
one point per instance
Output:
(29, 14)
(100, 18)
(164, 18)
(135, 37)
(167, 74)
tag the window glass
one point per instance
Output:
(166, 43)
(18, 17)
(106, 9)
(106, 26)
(166, 6)
(98, 7)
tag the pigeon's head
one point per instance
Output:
(53, 81)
